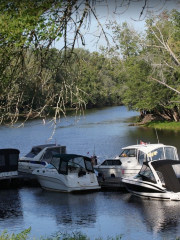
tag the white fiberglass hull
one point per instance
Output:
(28, 168)
(149, 190)
(53, 181)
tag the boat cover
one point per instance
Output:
(165, 167)
(63, 160)
(9, 159)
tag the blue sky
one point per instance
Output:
(130, 15)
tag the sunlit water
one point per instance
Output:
(104, 214)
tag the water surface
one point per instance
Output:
(104, 214)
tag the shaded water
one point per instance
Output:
(96, 214)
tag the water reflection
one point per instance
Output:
(160, 217)
(10, 205)
(72, 210)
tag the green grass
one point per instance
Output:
(57, 236)
(163, 125)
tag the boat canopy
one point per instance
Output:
(64, 161)
(165, 167)
(9, 159)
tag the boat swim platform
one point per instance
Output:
(111, 183)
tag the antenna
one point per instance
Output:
(157, 135)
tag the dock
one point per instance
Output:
(111, 183)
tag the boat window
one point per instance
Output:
(13, 159)
(63, 167)
(49, 153)
(89, 166)
(55, 162)
(72, 164)
(157, 154)
(104, 163)
(170, 153)
(117, 162)
(142, 157)
(146, 174)
(128, 153)
(113, 162)
(79, 161)
(34, 151)
(2, 160)
(109, 162)
(160, 175)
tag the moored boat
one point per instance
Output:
(130, 161)
(68, 173)
(9, 168)
(155, 180)
(38, 157)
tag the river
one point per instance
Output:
(99, 214)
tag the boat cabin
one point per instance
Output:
(132, 157)
(49, 150)
(72, 163)
(149, 152)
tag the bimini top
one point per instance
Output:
(62, 162)
(68, 157)
(165, 167)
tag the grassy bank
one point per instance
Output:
(58, 236)
(164, 125)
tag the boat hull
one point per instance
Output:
(53, 181)
(150, 191)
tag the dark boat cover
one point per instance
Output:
(9, 159)
(165, 167)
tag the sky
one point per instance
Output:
(114, 10)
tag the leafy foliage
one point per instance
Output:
(152, 65)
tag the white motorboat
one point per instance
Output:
(9, 167)
(156, 180)
(130, 161)
(110, 167)
(38, 157)
(67, 173)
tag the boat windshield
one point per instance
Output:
(49, 153)
(34, 151)
(128, 153)
(170, 153)
(162, 153)
(146, 174)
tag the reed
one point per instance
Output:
(57, 236)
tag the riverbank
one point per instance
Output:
(150, 121)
